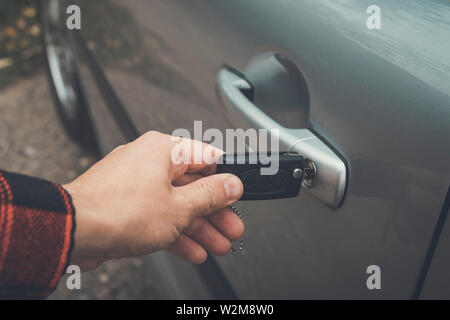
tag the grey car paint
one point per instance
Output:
(380, 98)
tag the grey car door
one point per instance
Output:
(379, 98)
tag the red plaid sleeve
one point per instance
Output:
(36, 235)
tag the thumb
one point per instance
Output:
(210, 193)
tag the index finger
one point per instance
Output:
(191, 156)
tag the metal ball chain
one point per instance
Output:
(241, 242)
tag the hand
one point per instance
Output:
(137, 200)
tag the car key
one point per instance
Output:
(285, 183)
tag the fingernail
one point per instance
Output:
(232, 187)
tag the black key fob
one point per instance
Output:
(284, 182)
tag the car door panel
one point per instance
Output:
(379, 97)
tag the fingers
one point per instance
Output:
(201, 235)
(222, 227)
(188, 249)
(191, 156)
(208, 194)
(186, 178)
(228, 223)
(186, 155)
(202, 232)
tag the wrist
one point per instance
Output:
(90, 236)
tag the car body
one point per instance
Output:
(379, 99)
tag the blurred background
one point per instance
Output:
(32, 142)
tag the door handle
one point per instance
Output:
(331, 173)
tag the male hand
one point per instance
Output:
(137, 200)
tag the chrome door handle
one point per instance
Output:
(331, 175)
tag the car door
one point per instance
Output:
(378, 99)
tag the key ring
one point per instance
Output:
(241, 242)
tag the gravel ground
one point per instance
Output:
(33, 142)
